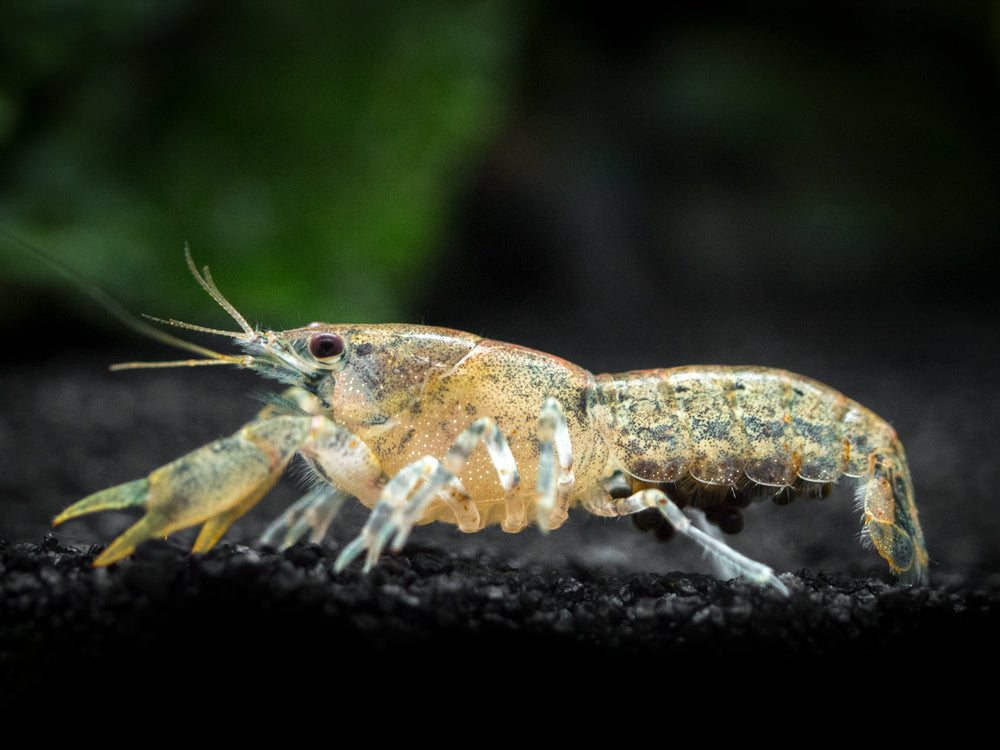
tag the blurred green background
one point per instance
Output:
(460, 162)
(308, 151)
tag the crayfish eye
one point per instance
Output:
(326, 346)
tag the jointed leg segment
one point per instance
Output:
(312, 513)
(601, 503)
(405, 497)
(554, 443)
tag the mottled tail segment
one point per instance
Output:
(890, 516)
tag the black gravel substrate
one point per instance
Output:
(147, 630)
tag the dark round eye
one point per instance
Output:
(325, 346)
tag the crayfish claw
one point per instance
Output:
(213, 485)
(127, 495)
(217, 525)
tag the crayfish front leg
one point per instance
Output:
(553, 493)
(312, 514)
(408, 494)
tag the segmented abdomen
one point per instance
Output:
(723, 425)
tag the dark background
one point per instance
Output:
(812, 189)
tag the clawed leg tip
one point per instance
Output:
(776, 583)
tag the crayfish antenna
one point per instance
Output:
(140, 326)
(205, 280)
(221, 359)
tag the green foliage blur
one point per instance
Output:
(489, 165)
(308, 152)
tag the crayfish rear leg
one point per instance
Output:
(601, 503)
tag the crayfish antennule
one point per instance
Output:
(208, 284)
(201, 329)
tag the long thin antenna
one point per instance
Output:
(137, 324)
